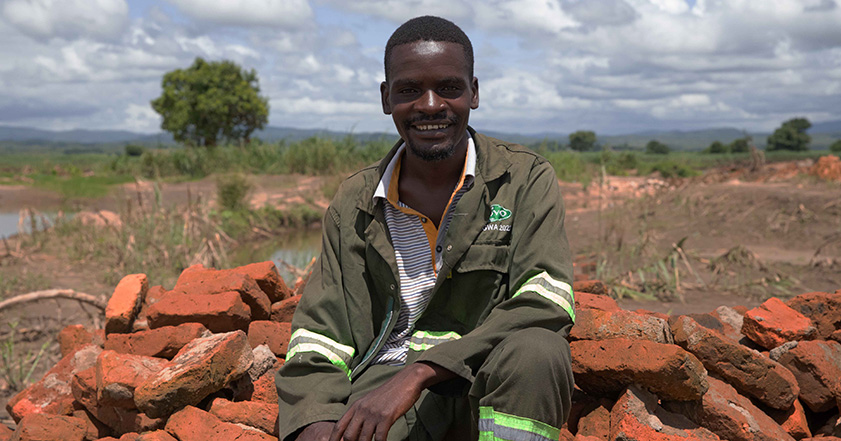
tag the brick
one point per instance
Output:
(94, 429)
(222, 312)
(52, 393)
(208, 282)
(774, 323)
(192, 424)
(590, 286)
(201, 368)
(730, 415)
(258, 415)
(636, 416)
(267, 278)
(158, 435)
(565, 435)
(594, 324)
(119, 420)
(5, 433)
(117, 376)
(125, 302)
(823, 308)
(275, 335)
(162, 342)
(792, 420)
(836, 336)
(714, 323)
(595, 425)
(608, 366)
(284, 310)
(747, 370)
(261, 390)
(47, 427)
(817, 367)
(831, 428)
(74, 337)
(585, 300)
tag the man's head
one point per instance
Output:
(429, 88)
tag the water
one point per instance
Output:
(296, 249)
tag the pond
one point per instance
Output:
(9, 222)
(296, 248)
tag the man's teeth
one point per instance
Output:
(432, 127)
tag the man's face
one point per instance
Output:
(429, 96)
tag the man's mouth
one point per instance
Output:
(427, 127)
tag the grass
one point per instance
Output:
(14, 284)
(15, 368)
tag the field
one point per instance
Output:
(677, 233)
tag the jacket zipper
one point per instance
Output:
(380, 338)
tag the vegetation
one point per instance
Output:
(741, 145)
(717, 147)
(657, 147)
(209, 101)
(790, 136)
(582, 140)
(835, 147)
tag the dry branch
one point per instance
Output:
(53, 294)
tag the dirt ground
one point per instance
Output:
(779, 232)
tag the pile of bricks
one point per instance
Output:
(772, 373)
(193, 363)
(197, 363)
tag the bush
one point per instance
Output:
(835, 147)
(134, 150)
(673, 169)
(232, 192)
(657, 147)
(717, 147)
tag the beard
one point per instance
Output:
(434, 153)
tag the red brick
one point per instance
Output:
(792, 420)
(267, 278)
(120, 421)
(656, 314)
(258, 415)
(608, 366)
(94, 429)
(747, 370)
(222, 312)
(823, 308)
(117, 375)
(125, 302)
(774, 323)
(162, 342)
(5, 433)
(52, 393)
(590, 286)
(835, 336)
(262, 390)
(730, 415)
(75, 337)
(283, 311)
(47, 427)
(158, 435)
(192, 424)
(585, 300)
(566, 435)
(595, 425)
(130, 437)
(207, 282)
(636, 416)
(201, 368)
(594, 324)
(817, 367)
(275, 335)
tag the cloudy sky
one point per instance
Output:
(613, 66)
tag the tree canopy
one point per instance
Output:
(657, 147)
(718, 147)
(835, 147)
(582, 140)
(790, 136)
(210, 101)
(741, 145)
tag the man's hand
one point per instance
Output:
(375, 413)
(319, 431)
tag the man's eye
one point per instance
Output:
(408, 91)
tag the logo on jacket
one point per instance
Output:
(498, 213)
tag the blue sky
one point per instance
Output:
(613, 66)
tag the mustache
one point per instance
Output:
(452, 119)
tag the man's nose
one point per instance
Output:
(430, 102)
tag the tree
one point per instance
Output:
(657, 147)
(790, 136)
(582, 140)
(209, 101)
(741, 145)
(835, 147)
(718, 147)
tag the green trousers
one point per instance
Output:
(522, 392)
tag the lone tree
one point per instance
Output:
(582, 140)
(741, 145)
(657, 147)
(790, 136)
(209, 101)
(718, 147)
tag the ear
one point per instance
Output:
(384, 98)
(474, 87)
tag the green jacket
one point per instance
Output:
(506, 266)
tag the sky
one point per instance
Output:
(544, 66)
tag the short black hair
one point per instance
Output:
(429, 28)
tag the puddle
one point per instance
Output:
(296, 249)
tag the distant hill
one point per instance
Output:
(73, 141)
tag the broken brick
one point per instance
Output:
(636, 416)
(267, 278)
(594, 324)
(773, 323)
(117, 375)
(258, 415)
(74, 337)
(221, 312)
(192, 424)
(162, 342)
(209, 282)
(48, 427)
(125, 302)
(823, 308)
(275, 335)
(585, 300)
(817, 367)
(284, 310)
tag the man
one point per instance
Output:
(442, 296)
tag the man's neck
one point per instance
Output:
(428, 186)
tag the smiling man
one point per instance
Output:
(441, 299)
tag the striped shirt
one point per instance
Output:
(418, 249)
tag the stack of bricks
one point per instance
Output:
(197, 363)
(193, 363)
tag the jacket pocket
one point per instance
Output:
(484, 257)
(479, 282)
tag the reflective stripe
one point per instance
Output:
(557, 291)
(307, 341)
(423, 340)
(502, 426)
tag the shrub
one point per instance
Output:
(657, 147)
(232, 192)
(134, 150)
(835, 147)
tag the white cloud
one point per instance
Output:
(271, 13)
(141, 118)
(68, 19)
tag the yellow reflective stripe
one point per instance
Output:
(303, 333)
(563, 286)
(314, 347)
(423, 340)
(492, 423)
(555, 298)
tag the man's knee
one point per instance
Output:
(535, 351)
